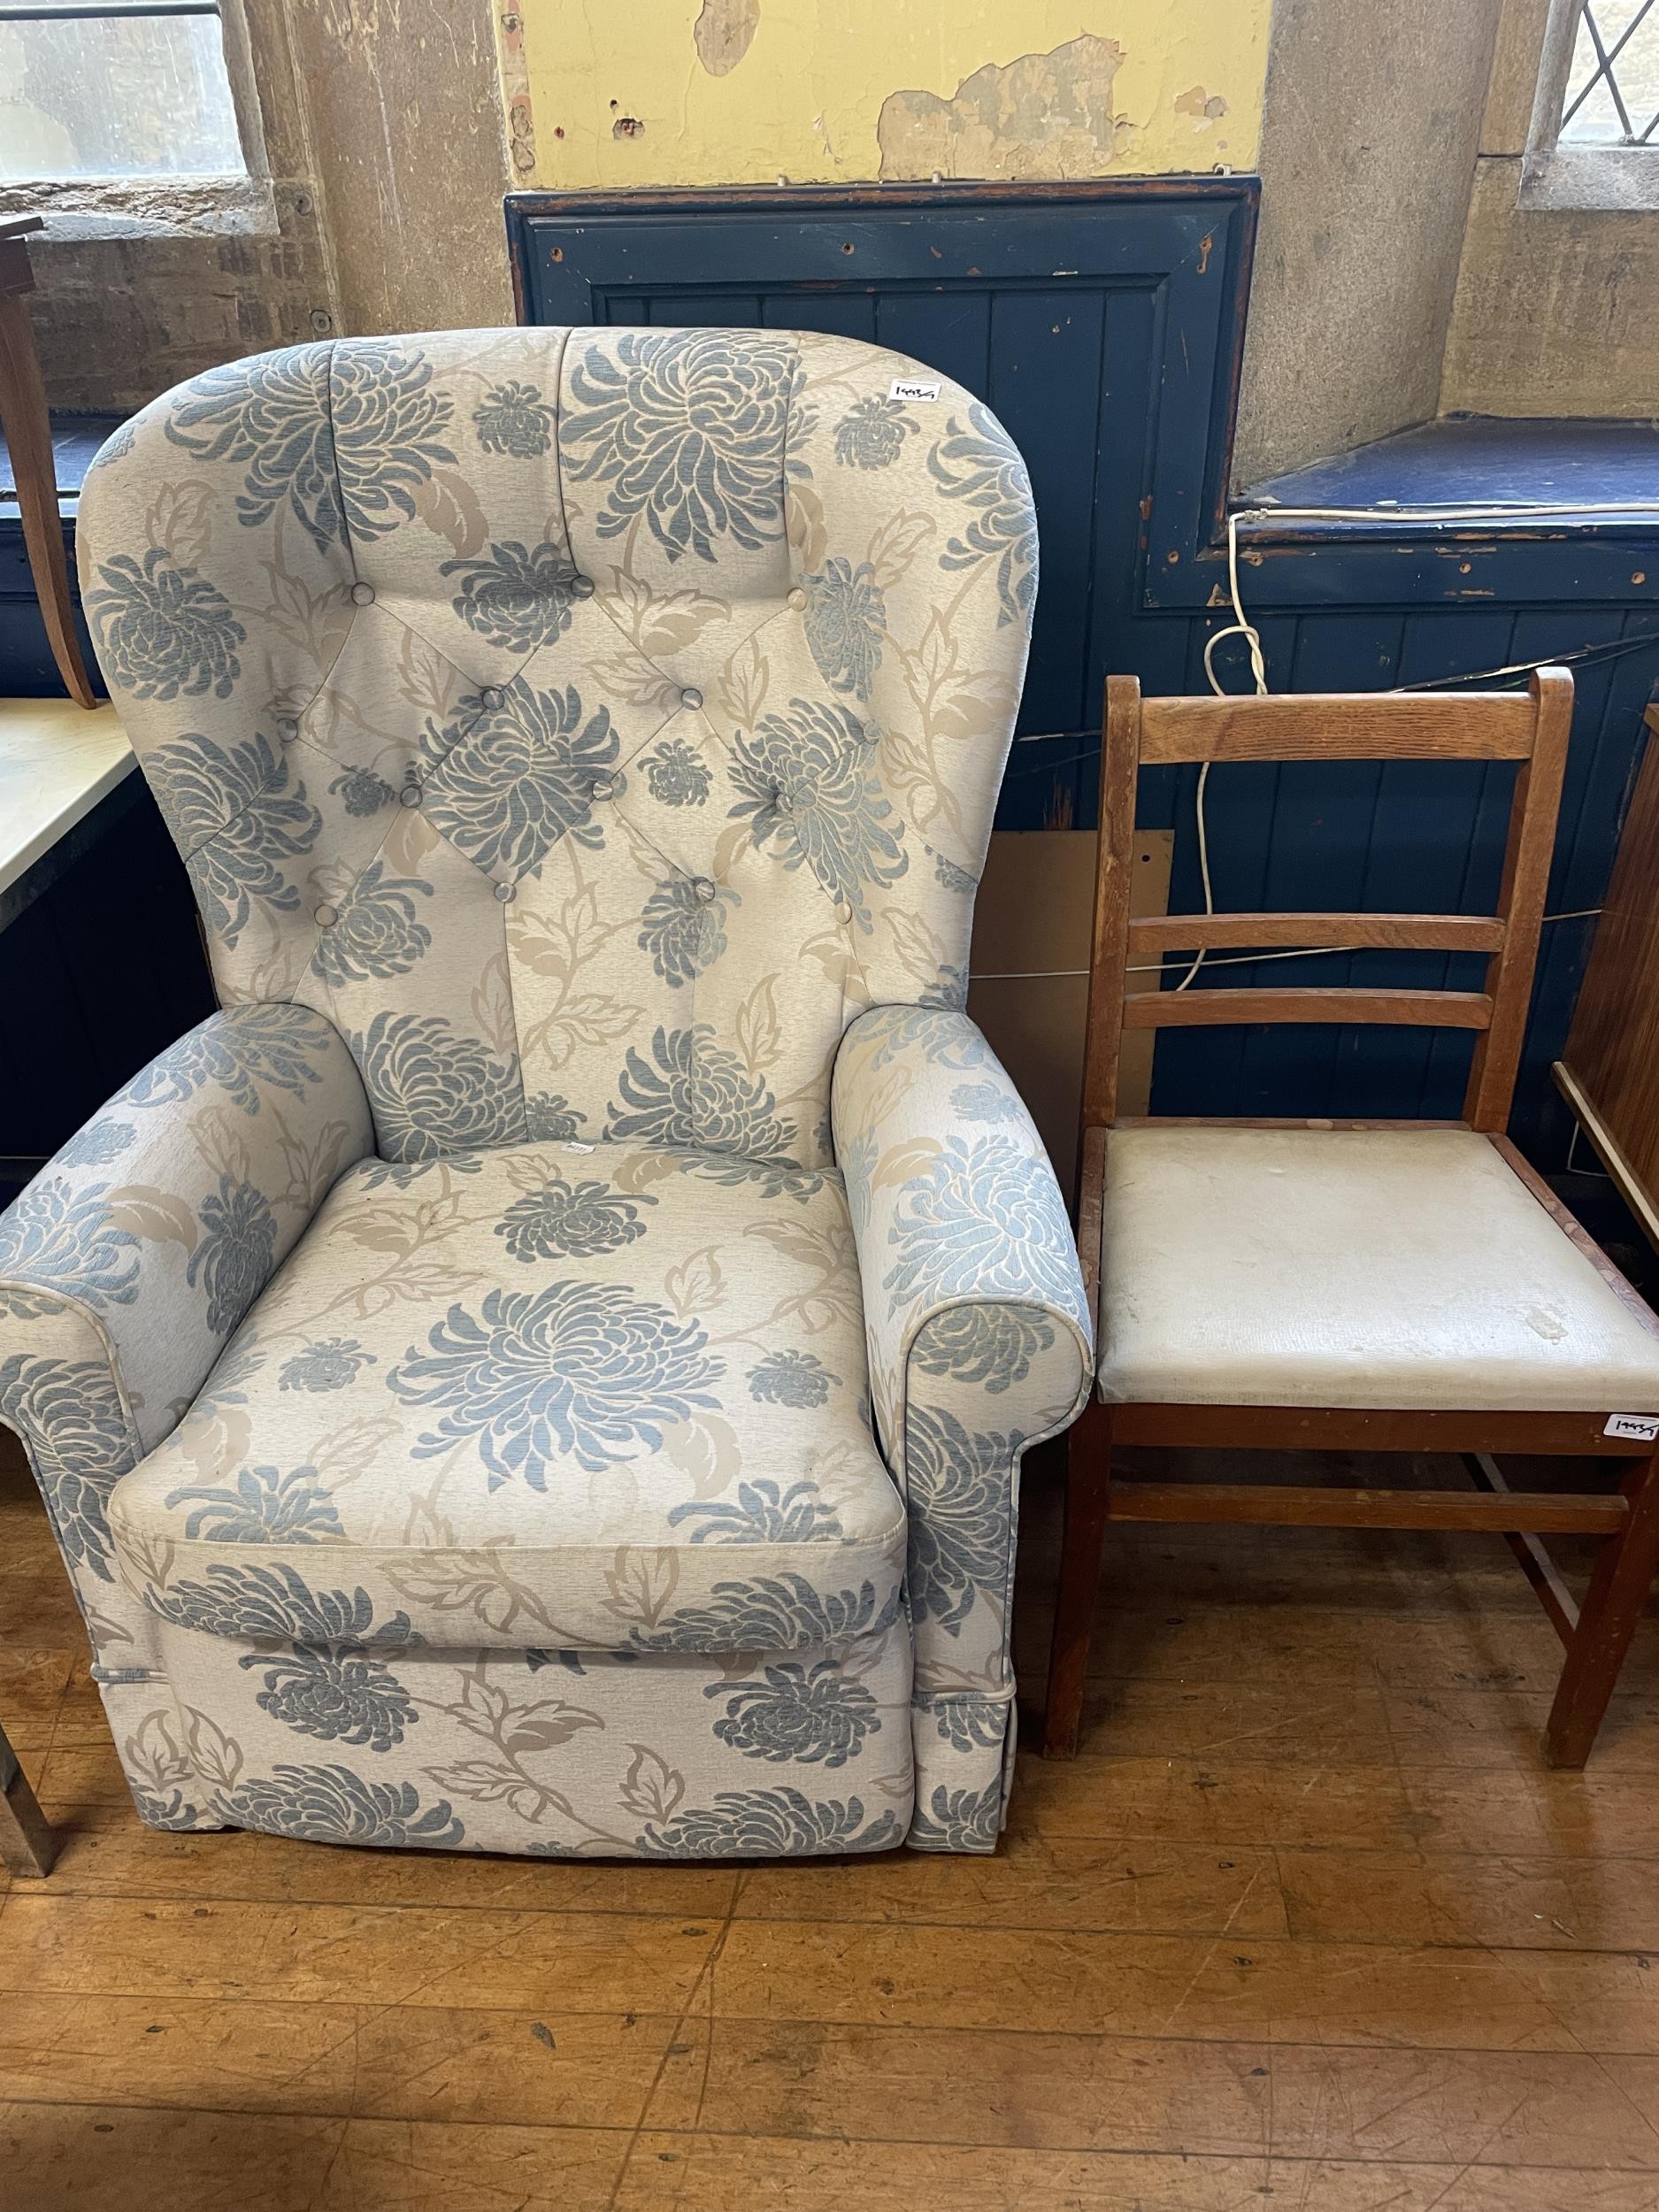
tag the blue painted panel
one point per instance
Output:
(1482, 457)
(26, 668)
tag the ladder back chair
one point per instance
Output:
(1351, 1286)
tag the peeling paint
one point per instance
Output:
(515, 86)
(723, 32)
(1207, 107)
(1045, 115)
(844, 91)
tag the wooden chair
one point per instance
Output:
(1408, 1286)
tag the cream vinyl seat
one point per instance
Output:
(1405, 1268)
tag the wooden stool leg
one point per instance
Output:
(28, 1845)
(1087, 1487)
(1618, 1590)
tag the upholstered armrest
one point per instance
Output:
(979, 1339)
(131, 1257)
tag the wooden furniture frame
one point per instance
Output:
(1530, 731)
(28, 434)
(28, 1845)
(1605, 1073)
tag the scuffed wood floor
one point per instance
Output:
(1308, 1924)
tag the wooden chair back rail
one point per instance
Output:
(1225, 1009)
(1361, 932)
(1532, 733)
(1346, 725)
(1530, 729)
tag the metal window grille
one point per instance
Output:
(1613, 86)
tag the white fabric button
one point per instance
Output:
(601, 788)
(410, 795)
(491, 696)
(843, 912)
(703, 891)
(691, 696)
(798, 598)
(287, 727)
(506, 892)
(873, 733)
(582, 585)
(324, 917)
(363, 594)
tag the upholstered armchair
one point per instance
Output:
(546, 1368)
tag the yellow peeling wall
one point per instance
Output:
(613, 93)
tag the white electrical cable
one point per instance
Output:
(1239, 626)
(1242, 626)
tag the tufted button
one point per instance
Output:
(843, 912)
(363, 594)
(506, 892)
(691, 697)
(324, 917)
(601, 786)
(873, 733)
(410, 795)
(582, 585)
(781, 803)
(703, 891)
(287, 727)
(797, 599)
(491, 696)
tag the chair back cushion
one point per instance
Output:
(591, 722)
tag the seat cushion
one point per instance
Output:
(1338, 1267)
(560, 1397)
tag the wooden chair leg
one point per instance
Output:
(1618, 1590)
(28, 1845)
(1087, 1487)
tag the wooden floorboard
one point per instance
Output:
(1307, 1922)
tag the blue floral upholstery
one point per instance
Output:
(632, 1396)
(129, 1261)
(487, 1394)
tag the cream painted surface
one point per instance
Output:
(689, 92)
(56, 761)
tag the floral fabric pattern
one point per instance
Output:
(525, 780)
(164, 631)
(592, 1368)
(807, 784)
(514, 419)
(577, 1369)
(459, 1377)
(980, 1348)
(686, 428)
(517, 596)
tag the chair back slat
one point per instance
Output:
(1358, 933)
(1530, 729)
(1222, 1009)
(1338, 726)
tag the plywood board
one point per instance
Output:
(1029, 971)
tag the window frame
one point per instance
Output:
(1557, 178)
(169, 206)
